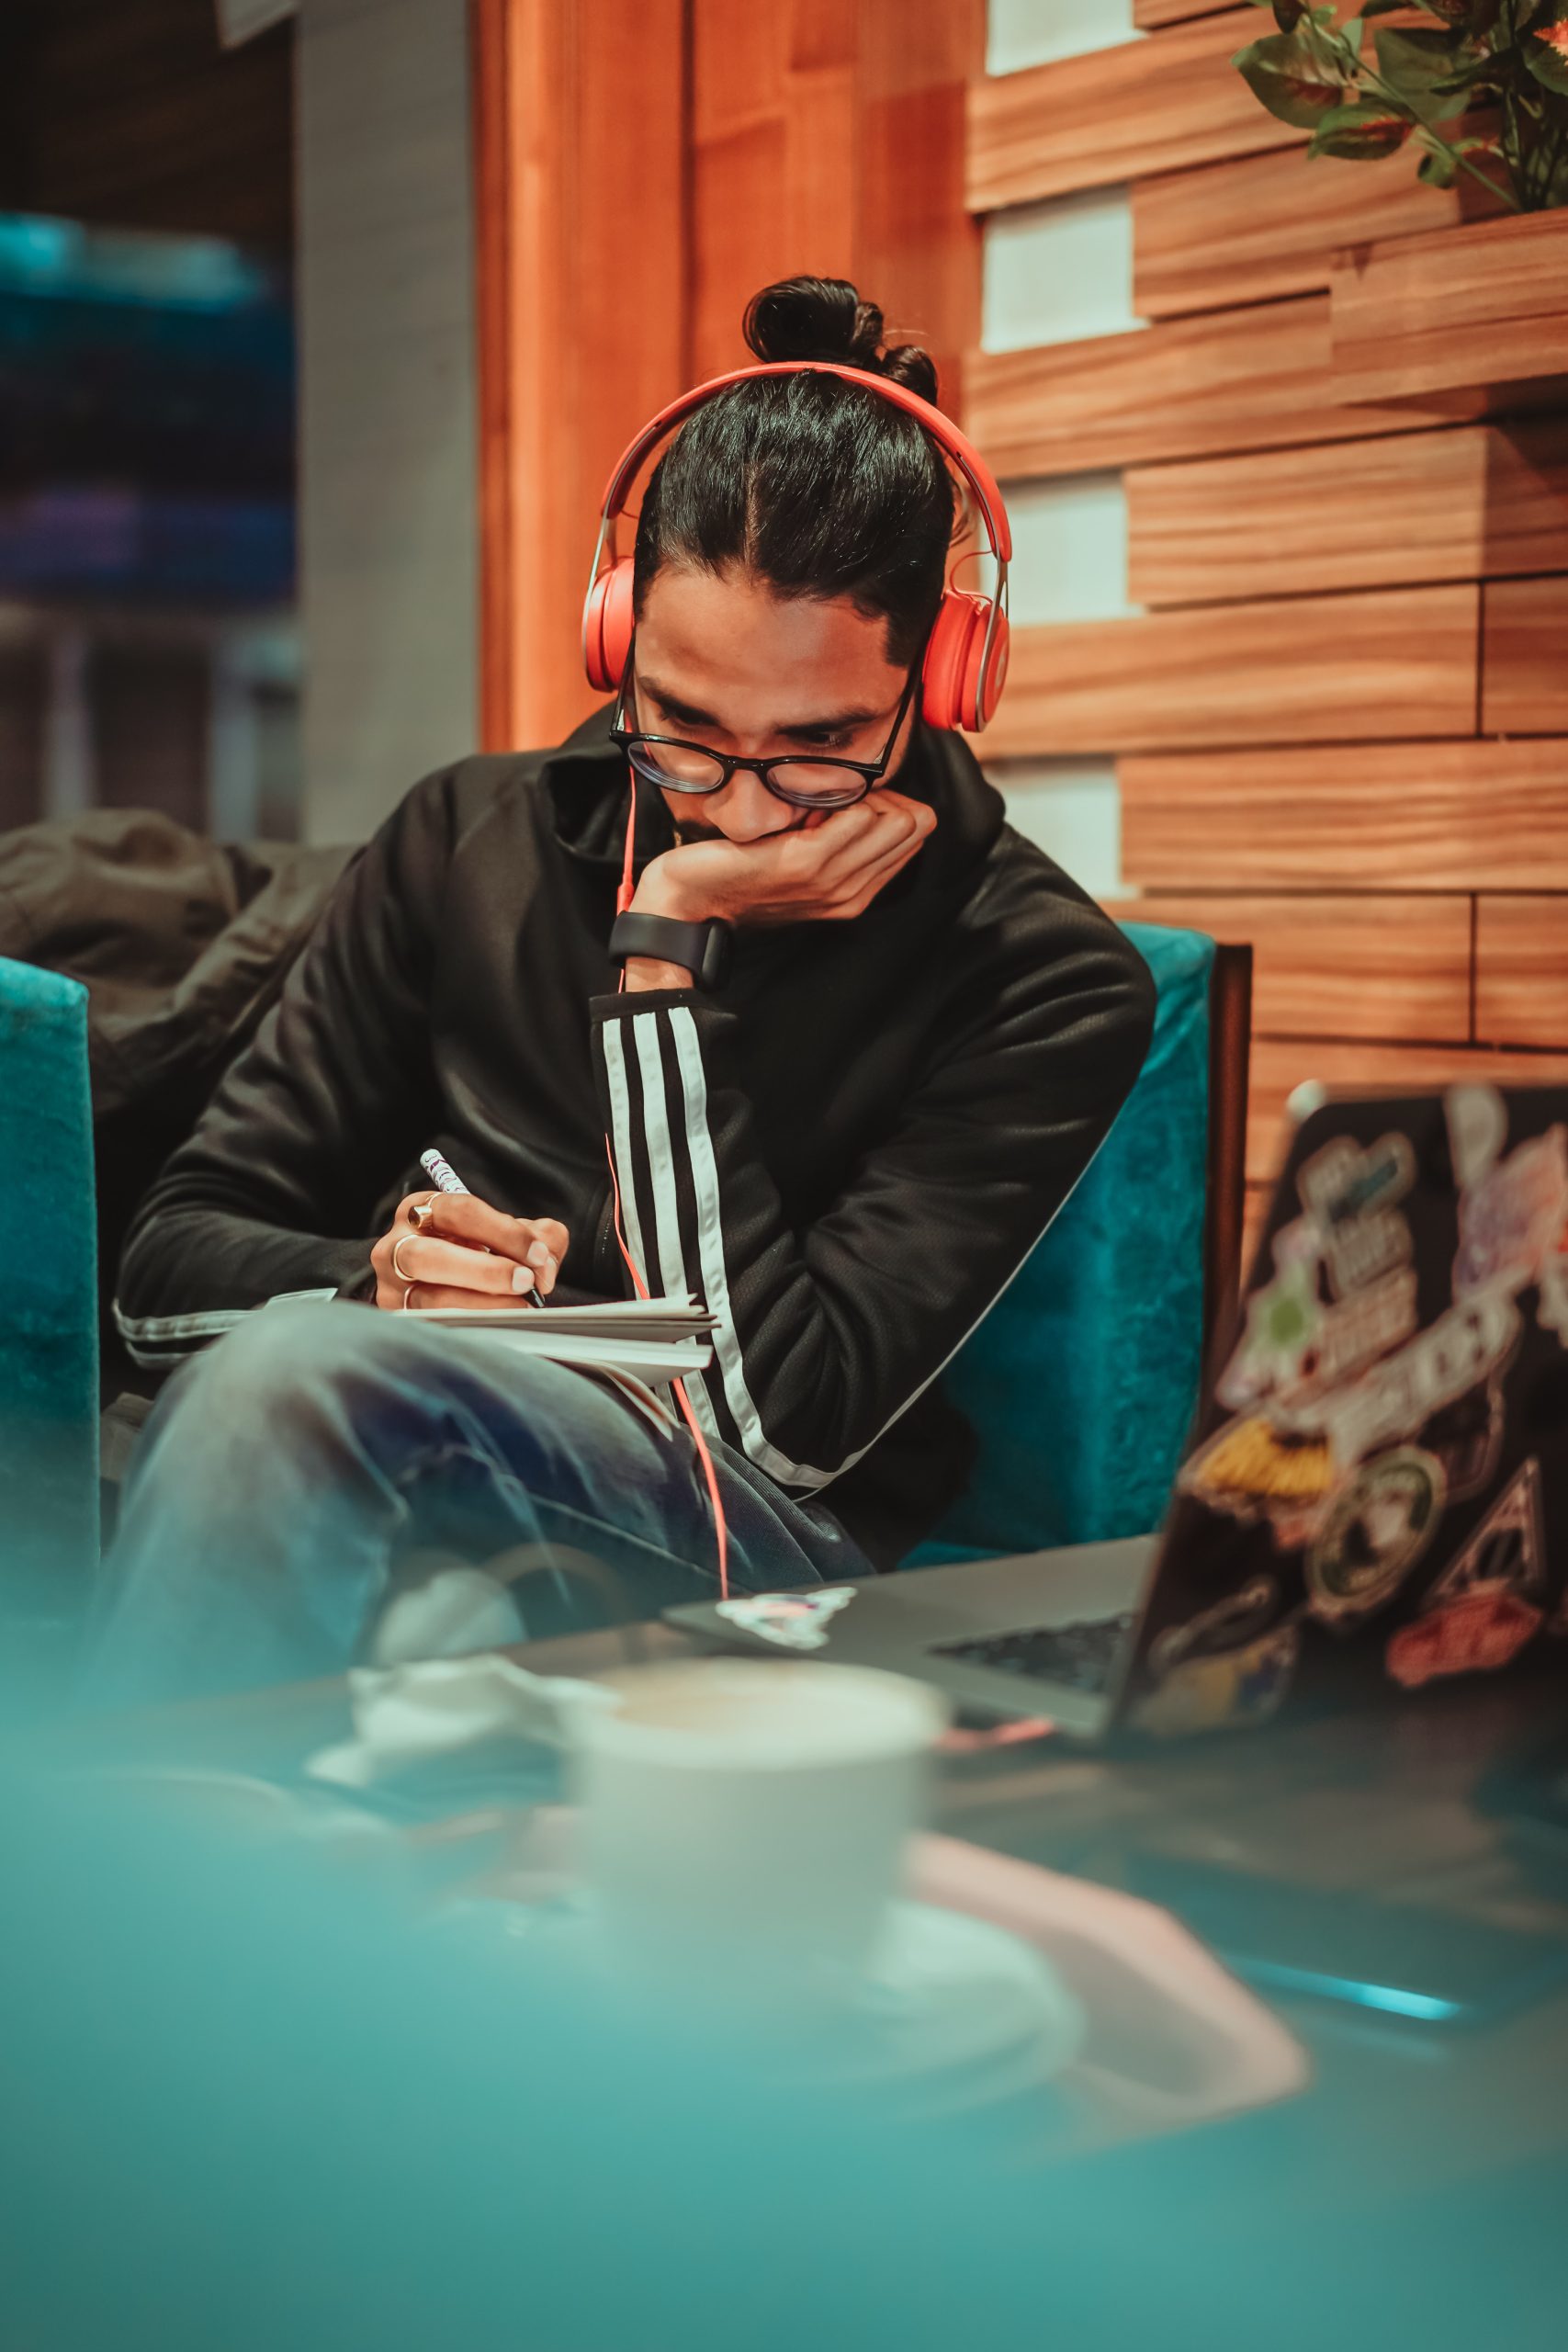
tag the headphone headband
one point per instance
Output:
(943, 430)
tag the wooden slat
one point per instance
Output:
(1278, 1066)
(1361, 816)
(1239, 380)
(1145, 106)
(1306, 670)
(1521, 971)
(1523, 672)
(574, 166)
(832, 139)
(1385, 966)
(917, 248)
(1476, 504)
(1481, 304)
(1268, 225)
(1149, 14)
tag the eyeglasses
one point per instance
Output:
(806, 781)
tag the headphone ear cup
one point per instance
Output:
(607, 628)
(983, 694)
(949, 678)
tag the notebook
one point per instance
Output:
(658, 1339)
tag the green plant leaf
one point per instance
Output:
(1545, 47)
(1289, 79)
(1413, 64)
(1471, 14)
(1436, 169)
(1287, 14)
(1474, 76)
(1361, 131)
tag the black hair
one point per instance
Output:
(818, 487)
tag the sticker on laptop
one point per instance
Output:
(1232, 1690)
(1551, 1308)
(1351, 1195)
(1507, 1551)
(1466, 1348)
(1284, 1317)
(1478, 1127)
(1466, 1435)
(1380, 1524)
(1236, 1617)
(1478, 1633)
(1511, 1220)
(1252, 1469)
(794, 1621)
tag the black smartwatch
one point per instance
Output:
(699, 948)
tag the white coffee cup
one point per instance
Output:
(744, 1824)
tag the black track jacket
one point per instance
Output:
(847, 1151)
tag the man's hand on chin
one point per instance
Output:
(826, 868)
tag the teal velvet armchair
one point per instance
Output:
(49, 1308)
(1082, 1380)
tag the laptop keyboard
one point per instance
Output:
(1080, 1656)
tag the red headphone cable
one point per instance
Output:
(623, 900)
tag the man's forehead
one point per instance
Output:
(784, 712)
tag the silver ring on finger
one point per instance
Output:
(398, 1274)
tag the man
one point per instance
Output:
(846, 1147)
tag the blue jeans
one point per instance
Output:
(285, 1473)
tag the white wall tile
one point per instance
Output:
(1058, 272)
(1069, 560)
(1071, 809)
(1032, 32)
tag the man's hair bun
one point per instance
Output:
(824, 317)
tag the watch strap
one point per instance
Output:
(698, 947)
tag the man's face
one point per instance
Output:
(721, 660)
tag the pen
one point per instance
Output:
(445, 1179)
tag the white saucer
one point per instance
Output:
(952, 2013)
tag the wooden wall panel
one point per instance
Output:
(1521, 971)
(620, 242)
(917, 249)
(756, 208)
(1146, 105)
(1524, 686)
(1411, 315)
(564, 385)
(1232, 380)
(1476, 504)
(1455, 816)
(1342, 711)
(1396, 664)
(1268, 225)
(1278, 1066)
(831, 139)
(1394, 968)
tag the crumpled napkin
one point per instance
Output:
(431, 1709)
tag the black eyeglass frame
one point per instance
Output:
(869, 771)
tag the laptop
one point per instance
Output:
(1375, 1498)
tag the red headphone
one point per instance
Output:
(966, 654)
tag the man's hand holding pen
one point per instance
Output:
(451, 1250)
